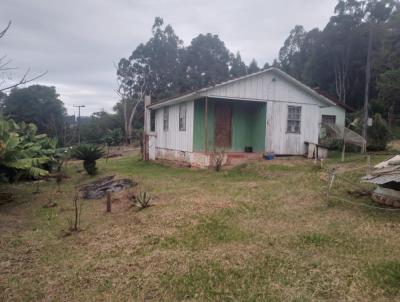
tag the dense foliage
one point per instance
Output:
(334, 59)
(23, 152)
(89, 154)
(378, 135)
(168, 68)
(39, 105)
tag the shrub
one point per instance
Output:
(89, 154)
(378, 134)
(218, 160)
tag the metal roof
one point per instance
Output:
(202, 92)
(383, 179)
(384, 172)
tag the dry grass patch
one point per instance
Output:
(257, 232)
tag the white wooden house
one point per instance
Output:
(265, 112)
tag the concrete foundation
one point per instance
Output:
(205, 160)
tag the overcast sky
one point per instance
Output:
(79, 41)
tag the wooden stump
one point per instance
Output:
(108, 202)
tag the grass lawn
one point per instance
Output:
(258, 232)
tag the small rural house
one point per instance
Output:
(264, 112)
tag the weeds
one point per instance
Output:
(218, 160)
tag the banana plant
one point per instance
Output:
(22, 151)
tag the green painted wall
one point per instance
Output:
(259, 127)
(338, 111)
(248, 125)
(198, 126)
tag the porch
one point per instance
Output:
(235, 127)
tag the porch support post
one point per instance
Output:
(206, 125)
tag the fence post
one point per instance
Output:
(108, 202)
(368, 164)
(329, 187)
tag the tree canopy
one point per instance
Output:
(36, 104)
(334, 58)
(167, 68)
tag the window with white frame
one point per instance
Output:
(182, 117)
(294, 119)
(166, 119)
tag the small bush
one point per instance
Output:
(378, 134)
(218, 160)
(89, 154)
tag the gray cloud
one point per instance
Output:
(78, 42)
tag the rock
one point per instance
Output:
(396, 204)
(389, 201)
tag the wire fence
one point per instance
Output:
(335, 176)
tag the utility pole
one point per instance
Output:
(79, 122)
(366, 97)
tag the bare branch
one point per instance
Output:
(3, 32)
(24, 80)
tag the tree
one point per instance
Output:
(237, 67)
(389, 91)
(334, 59)
(206, 62)
(290, 52)
(376, 12)
(2, 98)
(153, 68)
(39, 105)
(95, 127)
(253, 67)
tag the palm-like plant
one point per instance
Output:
(89, 154)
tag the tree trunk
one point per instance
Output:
(367, 82)
(125, 120)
